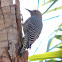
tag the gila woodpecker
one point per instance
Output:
(32, 29)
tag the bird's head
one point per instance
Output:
(35, 12)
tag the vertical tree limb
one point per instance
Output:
(10, 32)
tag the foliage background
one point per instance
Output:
(49, 44)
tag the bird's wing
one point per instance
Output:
(32, 23)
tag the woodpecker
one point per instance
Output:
(32, 29)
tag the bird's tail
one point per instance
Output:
(20, 53)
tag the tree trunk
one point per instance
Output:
(10, 32)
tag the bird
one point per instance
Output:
(32, 29)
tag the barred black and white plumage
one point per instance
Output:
(32, 29)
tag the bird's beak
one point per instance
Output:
(28, 10)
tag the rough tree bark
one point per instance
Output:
(10, 32)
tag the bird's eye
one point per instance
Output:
(34, 11)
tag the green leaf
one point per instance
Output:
(58, 30)
(51, 61)
(55, 9)
(60, 47)
(49, 42)
(48, 2)
(47, 55)
(59, 27)
(58, 61)
(58, 37)
(50, 6)
(55, 46)
(38, 4)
